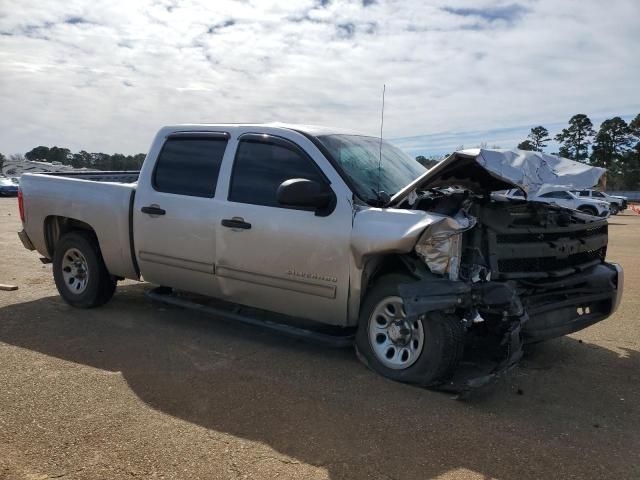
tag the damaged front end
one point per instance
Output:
(513, 272)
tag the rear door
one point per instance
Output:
(175, 217)
(288, 260)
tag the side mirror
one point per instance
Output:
(300, 192)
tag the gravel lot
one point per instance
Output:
(134, 389)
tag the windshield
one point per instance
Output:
(358, 156)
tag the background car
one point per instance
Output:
(564, 198)
(616, 203)
(9, 187)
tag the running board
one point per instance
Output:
(336, 341)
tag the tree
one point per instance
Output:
(612, 141)
(575, 139)
(2, 159)
(536, 140)
(526, 145)
(427, 162)
(39, 153)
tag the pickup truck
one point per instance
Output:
(337, 229)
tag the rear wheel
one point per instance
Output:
(589, 210)
(79, 271)
(424, 350)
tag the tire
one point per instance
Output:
(79, 271)
(589, 210)
(440, 350)
(614, 209)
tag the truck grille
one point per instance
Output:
(552, 264)
(532, 240)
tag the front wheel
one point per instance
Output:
(589, 210)
(79, 271)
(613, 208)
(424, 350)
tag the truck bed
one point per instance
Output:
(101, 200)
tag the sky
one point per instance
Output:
(106, 75)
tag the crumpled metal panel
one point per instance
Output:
(505, 169)
(440, 244)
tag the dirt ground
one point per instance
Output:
(136, 390)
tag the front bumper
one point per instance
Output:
(573, 303)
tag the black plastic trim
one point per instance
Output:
(132, 249)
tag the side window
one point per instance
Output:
(598, 194)
(260, 167)
(584, 193)
(189, 165)
(556, 195)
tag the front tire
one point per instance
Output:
(613, 208)
(79, 271)
(589, 210)
(424, 351)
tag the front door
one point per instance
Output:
(175, 215)
(288, 260)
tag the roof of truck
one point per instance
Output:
(314, 130)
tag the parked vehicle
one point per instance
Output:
(616, 203)
(336, 229)
(558, 195)
(8, 187)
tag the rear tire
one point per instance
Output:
(424, 351)
(79, 271)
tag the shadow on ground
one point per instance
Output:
(561, 411)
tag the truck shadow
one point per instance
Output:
(323, 408)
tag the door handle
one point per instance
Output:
(151, 210)
(236, 222)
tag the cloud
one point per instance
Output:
(508, 13)
(104, 75)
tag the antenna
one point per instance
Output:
(384, 88)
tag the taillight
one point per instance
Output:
(21, 204)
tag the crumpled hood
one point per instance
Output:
(484, 170)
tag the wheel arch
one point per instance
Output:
(382, 265)
(56, 226)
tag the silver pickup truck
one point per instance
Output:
(334, 229)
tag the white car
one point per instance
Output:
(564, 198)
(616, 203)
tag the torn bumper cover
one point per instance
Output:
(517, 313)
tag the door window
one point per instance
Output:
(562, 195)
(262, 163)
(189, 165)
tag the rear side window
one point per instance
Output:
(563, 195)
(262, 165)
(189, 165)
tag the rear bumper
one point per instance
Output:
(574, 303)
(26, 241)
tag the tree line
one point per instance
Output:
(81, 159)
(615, 146)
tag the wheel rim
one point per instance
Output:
(396, 340)
(75, 271)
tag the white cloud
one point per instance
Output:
(104, 75)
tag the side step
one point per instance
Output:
(164, 295)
